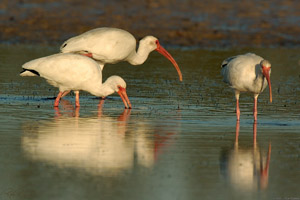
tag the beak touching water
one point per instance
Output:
(165, 53)
(266, 73)
(124, 97)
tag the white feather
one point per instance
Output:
(74, 72)
(243, 73)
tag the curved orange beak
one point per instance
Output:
(124, 97)
(266, 73)
(165, 53)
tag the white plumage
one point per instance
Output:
(112, 45)
(75, 72)
(247, 73)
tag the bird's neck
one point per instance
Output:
(260, 82)
(103, 90)
(139, 57)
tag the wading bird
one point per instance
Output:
(113, 45)
(247, 73)
(75, 72)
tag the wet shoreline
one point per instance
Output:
(206, 24)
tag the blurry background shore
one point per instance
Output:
(203, 24)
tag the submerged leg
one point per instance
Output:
(237, 132)
(254, 134)
(100, 105)
(237, 96)
(77, 104)
(255, 108)
(56, 102)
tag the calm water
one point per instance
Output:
(178, 142)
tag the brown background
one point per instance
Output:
(203, 23)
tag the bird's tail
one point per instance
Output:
(226, 61)
(29, 72)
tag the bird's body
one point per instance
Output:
(247, 73)
(113, 45)
(243, 73)
(74, 72)
(106, 45)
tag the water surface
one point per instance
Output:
(179, 141)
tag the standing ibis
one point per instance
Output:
(247, 73)
(113, 45)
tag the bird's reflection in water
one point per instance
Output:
(100, 144)
(246, 168)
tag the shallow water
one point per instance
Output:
(178, 142)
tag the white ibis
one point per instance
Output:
(75, 72)
(113, 45)
(247, 73)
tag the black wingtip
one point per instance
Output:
(31, 70)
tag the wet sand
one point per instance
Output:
(204, 24)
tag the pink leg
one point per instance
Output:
(65, 93)
(237, 110)
(255, 109)
(77, 104)
(56, 102)
(237, 96)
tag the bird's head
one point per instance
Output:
(73, 45)
(64, 48)
(266, 71)
(117, 84)
(151, 43)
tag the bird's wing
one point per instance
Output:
(108, 45)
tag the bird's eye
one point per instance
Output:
(65, 45)
(156, 42)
